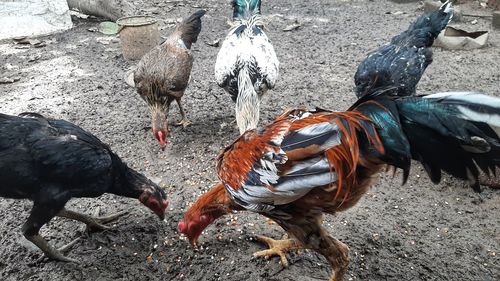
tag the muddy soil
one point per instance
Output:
(419, 231)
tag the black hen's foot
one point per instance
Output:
(93, 223)
(68, 246)
(50, 252)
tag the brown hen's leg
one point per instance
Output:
(278, 248)
(184, 121)
(93, 223)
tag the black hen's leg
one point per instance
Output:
(93, 223)
(40, 215)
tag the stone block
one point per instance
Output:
(33, 17)
(494, 4)
(404, 1)
(496, 19)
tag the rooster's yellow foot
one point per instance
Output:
(278, 248)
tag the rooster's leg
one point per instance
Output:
(93, 223)
(184, 121)
(337, 254)
(40, 215)
(314, 236)
(278, 248)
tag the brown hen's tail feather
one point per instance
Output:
(190, 28)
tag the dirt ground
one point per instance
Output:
(419, 231)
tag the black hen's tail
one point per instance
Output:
(403, 62)
(190, 28)
(456, 132)
(425, 29)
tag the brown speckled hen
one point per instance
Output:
(163, 74)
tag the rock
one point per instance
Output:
(6, 80)
(109, 9)
(214, 43)
(496, 19)
(494, 4)
(432, 5)
(33, 17)
(457, 14)
(292, 26)
(456, 39)
(129, 78)
(404, 1)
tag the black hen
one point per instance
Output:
(402, 62)
(51, 161)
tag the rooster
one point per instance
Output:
(246, 65)
(307, 163)
(51, 161)
(162, 75)
(402, 62)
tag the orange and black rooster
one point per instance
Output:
(402, 62)
(50, 161)
(307, 163)
(163, 74)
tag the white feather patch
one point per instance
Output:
(241, 48)
(317, 163)
(317, 129)
(268, 173)
(492, 119)
(473, 98)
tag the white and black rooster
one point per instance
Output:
(246, 65)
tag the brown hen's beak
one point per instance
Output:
(163, 144)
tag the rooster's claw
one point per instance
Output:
(277, 248)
